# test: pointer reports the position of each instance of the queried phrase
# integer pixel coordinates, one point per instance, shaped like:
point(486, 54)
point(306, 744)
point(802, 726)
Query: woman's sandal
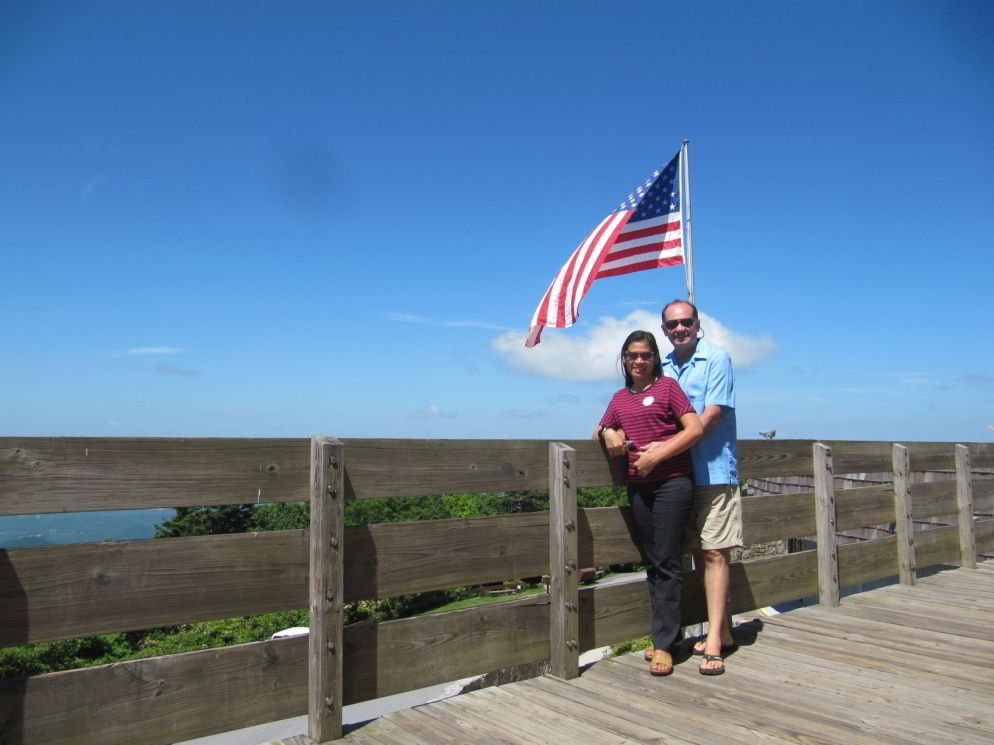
point(661, 663)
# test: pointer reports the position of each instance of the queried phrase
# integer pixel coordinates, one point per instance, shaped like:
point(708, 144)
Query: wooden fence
point(59, 592)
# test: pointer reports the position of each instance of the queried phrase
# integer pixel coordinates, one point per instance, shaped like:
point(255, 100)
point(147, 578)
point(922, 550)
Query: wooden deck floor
point(895, 665)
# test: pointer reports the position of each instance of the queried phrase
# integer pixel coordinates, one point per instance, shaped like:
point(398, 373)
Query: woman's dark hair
point(648, 338)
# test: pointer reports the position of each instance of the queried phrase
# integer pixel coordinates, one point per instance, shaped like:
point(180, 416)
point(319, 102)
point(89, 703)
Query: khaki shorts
point(715, 518)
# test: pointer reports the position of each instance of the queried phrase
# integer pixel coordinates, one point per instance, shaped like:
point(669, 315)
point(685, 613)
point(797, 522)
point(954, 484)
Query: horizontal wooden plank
point(793, 457)
point(771, 580)
point(777, 516)
point(79, 474)
point(178, 697)
point(983, 532)
point(395, 468)
point(933, 499)
point(67, 474)
point(159, 700)
point(58, 592)
point(616, 612)
point(983, 496)
point(867, 561)
point(386, 658)
point(183, 696)
point(853, 456)
point(400, 558)
point(774, 458)
point(936, 546)
point(771, 517)
point(606, 535)
point(612, 613)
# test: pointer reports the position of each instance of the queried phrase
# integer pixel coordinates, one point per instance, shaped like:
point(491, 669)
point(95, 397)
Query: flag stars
point(657, 196)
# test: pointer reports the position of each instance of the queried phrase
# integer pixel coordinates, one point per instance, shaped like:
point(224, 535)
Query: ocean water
point(79, 527)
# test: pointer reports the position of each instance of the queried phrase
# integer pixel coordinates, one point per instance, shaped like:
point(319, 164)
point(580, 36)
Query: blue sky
point(278, 218)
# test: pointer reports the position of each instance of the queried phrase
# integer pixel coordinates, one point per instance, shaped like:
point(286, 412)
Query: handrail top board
point(69, 474)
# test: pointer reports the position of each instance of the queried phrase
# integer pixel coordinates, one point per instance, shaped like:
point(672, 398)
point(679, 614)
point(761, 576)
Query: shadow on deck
point(895, 665)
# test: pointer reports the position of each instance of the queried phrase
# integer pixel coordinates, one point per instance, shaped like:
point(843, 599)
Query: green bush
point(70, 654)
point(632, 645)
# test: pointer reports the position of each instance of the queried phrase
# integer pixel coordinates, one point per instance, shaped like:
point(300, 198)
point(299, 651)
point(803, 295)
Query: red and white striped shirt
point(651, 416)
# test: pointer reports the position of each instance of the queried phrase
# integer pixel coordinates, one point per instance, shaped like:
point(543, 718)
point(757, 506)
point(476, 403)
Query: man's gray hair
point(674, 302)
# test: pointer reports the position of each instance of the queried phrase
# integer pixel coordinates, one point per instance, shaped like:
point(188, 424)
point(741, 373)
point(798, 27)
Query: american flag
point(645, 231)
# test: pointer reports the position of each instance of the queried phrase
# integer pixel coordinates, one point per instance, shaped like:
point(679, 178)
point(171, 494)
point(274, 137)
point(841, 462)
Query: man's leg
point(716, 578)
point(720, 530)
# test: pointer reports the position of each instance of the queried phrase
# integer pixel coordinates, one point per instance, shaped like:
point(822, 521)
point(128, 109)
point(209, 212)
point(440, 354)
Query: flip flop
point(661, 659)
point(712, 670)
point(648, 654)
point(726, 649)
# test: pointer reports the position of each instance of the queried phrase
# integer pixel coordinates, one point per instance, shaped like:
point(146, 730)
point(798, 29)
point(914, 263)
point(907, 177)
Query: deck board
point(894, 666)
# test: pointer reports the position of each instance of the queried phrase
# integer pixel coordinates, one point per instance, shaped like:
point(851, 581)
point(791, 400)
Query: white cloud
point(591, 352)
point(744, 350)
point(423, 321)
point(431, 411)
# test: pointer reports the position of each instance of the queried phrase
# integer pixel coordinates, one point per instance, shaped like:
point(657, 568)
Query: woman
point(661, 425)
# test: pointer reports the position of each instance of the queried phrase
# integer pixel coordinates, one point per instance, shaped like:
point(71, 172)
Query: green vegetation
point(192, 521)
point(485, 600)
point(69, 654)
point(632, 645)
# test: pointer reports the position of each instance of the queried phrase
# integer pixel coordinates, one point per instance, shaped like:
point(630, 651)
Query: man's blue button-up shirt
point(707, 380)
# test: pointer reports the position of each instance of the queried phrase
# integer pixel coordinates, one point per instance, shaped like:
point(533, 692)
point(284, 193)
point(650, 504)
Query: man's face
point(681, 327)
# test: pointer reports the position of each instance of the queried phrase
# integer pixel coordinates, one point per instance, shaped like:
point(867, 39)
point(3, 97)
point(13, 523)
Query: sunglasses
point(685, 322)
point(633, 356)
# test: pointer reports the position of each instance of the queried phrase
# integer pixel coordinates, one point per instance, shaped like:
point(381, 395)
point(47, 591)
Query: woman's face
point(639, 360)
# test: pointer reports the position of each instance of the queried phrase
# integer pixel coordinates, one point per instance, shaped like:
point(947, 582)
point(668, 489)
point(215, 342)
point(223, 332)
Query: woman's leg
point(661, 510)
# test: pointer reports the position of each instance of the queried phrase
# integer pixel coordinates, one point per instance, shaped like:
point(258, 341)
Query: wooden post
point(904, 527)
point(828, 551)
point(564, 646)
point(964, 504)
point(324, 684)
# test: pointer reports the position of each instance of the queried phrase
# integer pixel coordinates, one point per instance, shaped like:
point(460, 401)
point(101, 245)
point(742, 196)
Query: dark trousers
point(661, 510)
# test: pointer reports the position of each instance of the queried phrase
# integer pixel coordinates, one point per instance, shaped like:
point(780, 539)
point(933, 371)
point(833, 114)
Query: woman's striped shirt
point(651, 416)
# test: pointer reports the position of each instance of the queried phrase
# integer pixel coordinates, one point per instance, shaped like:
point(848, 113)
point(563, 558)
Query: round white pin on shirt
point(647, 401)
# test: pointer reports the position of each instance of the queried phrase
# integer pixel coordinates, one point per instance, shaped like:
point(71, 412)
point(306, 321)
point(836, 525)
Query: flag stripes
point(644, 233)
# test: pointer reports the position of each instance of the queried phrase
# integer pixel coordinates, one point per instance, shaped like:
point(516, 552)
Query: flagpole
point(685, 206)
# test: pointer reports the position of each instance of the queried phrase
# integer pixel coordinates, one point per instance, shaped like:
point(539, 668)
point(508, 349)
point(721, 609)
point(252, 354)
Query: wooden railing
point(59, 592)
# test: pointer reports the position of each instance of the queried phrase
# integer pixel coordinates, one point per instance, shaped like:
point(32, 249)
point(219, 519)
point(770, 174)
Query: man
point(705, 374)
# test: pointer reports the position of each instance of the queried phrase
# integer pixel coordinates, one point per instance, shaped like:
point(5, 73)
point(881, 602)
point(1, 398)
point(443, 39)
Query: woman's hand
point(614, 440)
point(647, 459)
point(654, 453)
